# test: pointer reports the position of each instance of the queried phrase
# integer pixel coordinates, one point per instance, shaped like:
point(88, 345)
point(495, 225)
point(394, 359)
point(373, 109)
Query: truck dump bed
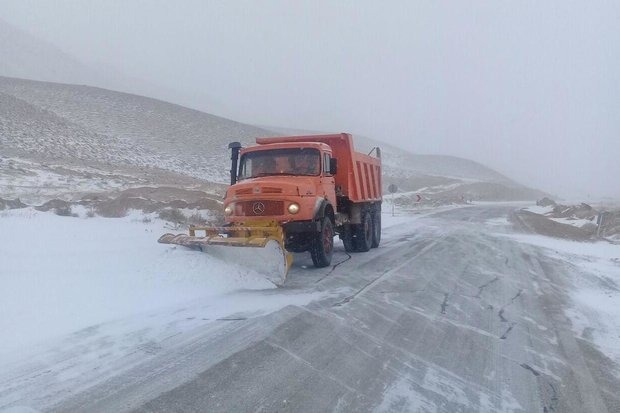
point(358, 176)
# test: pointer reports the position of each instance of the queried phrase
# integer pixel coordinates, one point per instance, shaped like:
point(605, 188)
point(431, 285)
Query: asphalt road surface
point(446, 316)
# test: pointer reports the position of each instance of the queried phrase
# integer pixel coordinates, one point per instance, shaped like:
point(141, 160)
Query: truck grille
point(264, 190)
point(271, 190)
point(244, 191)
point(259, 208)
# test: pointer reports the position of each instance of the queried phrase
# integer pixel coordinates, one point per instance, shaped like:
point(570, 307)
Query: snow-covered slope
point(87, 126)
point(437, 178)
point(69, 122)
point(399, 162)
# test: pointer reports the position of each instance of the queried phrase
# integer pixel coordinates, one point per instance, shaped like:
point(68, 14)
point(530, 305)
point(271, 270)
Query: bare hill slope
point(91, 127)
point(70, 122)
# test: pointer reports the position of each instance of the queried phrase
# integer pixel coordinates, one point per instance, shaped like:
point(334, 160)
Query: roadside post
point(392, 189)
point(600, 221)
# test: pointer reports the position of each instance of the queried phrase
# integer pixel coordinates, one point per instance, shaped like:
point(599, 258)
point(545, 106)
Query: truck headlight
point(229, 209)
point(293, 208)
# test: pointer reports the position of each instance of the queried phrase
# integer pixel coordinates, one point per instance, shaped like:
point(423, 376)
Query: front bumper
point(294, 227)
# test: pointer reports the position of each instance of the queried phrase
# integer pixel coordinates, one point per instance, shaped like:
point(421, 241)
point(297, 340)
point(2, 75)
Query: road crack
point(444, 305)
point(334, 268)
point(512, 300)
point(505, 335)
point(530, 368)
point(485, 285)
point(551, 405)
point(501, 316)
point(404, 291)
point(554, 400)
point(422, 250)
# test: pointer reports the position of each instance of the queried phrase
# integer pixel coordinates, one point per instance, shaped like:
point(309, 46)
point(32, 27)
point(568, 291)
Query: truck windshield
point(295, 161)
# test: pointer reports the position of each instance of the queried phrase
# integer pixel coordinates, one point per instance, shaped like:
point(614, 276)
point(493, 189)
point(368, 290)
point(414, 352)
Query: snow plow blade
point(260, 247)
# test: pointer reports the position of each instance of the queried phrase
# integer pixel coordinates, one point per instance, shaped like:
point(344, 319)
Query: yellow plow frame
point(265, 238)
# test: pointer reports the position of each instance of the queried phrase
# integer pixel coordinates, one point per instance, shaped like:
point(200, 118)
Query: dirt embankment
point(540, 224)
point(172, 204)
point(580, 222)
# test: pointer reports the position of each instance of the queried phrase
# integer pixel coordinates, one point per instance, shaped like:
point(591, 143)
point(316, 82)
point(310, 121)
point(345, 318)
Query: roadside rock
point(581, 211)
point(11, 204)
point(540, 224)
point(545, 202)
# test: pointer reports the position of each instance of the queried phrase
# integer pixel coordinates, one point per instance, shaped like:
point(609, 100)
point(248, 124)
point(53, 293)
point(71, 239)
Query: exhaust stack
point(235, 147)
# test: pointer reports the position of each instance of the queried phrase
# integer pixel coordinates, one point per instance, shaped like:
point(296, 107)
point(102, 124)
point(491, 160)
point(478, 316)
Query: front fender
point(320, 207)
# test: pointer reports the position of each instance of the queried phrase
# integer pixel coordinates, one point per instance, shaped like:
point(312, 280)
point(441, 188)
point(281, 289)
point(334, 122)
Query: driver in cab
point(307, 164)
point(264, 166)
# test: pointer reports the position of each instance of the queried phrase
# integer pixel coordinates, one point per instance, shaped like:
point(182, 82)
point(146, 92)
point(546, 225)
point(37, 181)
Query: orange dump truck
point(294, 194)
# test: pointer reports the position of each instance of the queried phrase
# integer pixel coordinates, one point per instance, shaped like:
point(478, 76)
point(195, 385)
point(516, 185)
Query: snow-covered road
point(454, 312)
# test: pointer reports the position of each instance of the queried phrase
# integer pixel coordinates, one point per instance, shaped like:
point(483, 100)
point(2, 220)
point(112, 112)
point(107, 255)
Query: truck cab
point(297, 182)
point(281, 182)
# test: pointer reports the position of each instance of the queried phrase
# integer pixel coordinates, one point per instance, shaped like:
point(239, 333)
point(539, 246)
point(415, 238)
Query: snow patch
point(402, 397)
point(595, 312)
point(537, 209)
point(574, 221)
point(498, 222)
point(62, 274)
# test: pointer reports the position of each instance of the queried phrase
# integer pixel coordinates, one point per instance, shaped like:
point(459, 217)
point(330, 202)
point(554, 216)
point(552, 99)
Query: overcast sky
point(530, 88)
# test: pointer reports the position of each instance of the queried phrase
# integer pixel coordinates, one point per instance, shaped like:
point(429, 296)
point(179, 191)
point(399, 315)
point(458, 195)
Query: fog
point(529, 88)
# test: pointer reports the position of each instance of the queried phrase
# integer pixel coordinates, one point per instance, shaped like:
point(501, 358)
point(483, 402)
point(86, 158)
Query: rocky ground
point(581, 222)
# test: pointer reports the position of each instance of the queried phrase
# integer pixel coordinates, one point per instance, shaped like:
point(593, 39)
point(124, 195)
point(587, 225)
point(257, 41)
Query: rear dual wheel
point(347, 238)
point(363, 233)
point(364, 236)
point(376, 228)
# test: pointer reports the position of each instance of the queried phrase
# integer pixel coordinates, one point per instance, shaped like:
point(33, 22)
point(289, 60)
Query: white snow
point(574, 221)
point(498, 222)
point(541, 210)
point(34, 182)
point(595, 312)
point(62, 274)
point(545, 210)
point(402, 396)
point(600, 249)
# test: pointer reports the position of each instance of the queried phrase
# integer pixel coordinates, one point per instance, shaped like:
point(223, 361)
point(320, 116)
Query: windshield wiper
point(273, 174)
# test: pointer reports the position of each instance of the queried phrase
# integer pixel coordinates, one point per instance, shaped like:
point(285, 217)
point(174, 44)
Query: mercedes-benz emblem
point(258, 208)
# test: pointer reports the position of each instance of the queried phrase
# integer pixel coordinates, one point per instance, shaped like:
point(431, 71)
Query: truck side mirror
point(333, 166)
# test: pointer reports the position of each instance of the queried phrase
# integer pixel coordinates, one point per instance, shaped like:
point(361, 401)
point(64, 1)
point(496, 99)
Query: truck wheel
point(363, 233)
point(322, 246)
point(347, 238)
point(376, 228)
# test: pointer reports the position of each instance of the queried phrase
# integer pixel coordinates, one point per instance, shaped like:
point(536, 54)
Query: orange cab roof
point(287, 145)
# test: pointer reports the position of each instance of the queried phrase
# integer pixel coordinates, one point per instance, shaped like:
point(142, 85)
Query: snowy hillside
point(399, 162)
point(68, 122)
point(92, 127)
point(436, 178)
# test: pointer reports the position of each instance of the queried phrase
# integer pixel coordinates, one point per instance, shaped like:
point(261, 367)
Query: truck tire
point(363, 233)
point(347, 238)
point(376, 228)
point(322, 247)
